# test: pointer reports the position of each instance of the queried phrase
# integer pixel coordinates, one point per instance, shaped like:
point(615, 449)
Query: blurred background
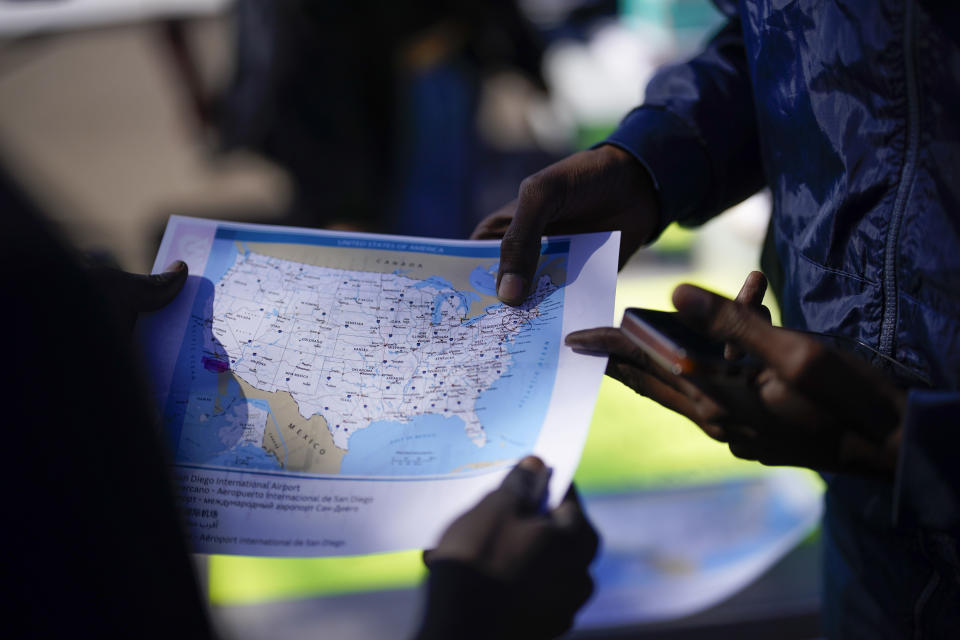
point(416, 118)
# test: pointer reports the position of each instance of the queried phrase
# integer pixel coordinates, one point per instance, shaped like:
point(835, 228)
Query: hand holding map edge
point(130, 294)
point(600, 189)
point(538, 560)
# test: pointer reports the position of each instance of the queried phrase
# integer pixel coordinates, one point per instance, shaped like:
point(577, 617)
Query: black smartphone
point(685, 352)
point(682, 350)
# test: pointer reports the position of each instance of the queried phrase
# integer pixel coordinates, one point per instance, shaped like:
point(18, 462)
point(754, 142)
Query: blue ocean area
point(223, 254)
point(202, 439)
point(418, 447)
point(248, 456)
point(484, 278)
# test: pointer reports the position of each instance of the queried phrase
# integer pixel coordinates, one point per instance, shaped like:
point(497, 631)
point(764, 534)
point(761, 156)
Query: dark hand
point(540, 559)
point(130, 294)
point(826, 409)
point(817, 407)
point(632, 367)
point(603, 189)
point(751, 295)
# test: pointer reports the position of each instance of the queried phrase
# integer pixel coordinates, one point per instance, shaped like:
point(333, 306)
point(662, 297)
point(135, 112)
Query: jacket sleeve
point(696, 132)
point(928, 475)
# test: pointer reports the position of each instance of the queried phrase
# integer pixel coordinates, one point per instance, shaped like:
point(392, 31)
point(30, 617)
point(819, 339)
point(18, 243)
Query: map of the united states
point(357, 347)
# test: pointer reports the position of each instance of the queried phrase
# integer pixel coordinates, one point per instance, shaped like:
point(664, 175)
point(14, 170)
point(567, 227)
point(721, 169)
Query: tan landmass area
point(418, 266)
point(673, 564)
point(303, 445)
point(473, 466)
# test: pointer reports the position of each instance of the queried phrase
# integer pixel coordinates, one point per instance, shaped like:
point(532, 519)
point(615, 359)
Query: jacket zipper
point(888, 326)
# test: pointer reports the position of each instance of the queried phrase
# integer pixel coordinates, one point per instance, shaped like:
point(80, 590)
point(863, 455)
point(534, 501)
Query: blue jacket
point(849, 111)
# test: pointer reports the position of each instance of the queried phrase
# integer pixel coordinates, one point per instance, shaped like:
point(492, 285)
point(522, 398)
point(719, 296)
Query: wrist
point(640, 197)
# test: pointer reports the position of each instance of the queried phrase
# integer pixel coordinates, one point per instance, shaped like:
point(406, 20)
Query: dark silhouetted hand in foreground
point(130, 294)
point(506, 568)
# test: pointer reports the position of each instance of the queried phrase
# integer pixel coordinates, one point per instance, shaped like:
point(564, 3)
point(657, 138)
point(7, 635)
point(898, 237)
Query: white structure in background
point(597, 82)
point(23, 18)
